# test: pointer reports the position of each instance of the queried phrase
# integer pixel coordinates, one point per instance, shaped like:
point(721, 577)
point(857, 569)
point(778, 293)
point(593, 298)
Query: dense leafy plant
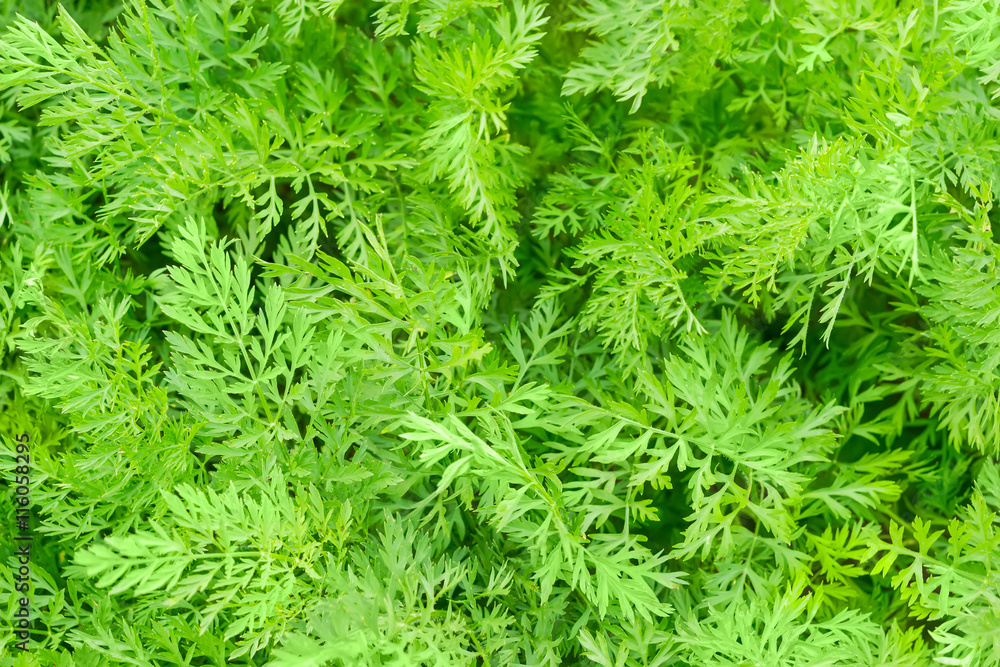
point(465, 332)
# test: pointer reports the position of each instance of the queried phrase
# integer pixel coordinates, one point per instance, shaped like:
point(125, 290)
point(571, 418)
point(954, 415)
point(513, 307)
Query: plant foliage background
point(464, 332)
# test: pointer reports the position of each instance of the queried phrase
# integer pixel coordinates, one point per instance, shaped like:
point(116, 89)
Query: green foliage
point(463, 332)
